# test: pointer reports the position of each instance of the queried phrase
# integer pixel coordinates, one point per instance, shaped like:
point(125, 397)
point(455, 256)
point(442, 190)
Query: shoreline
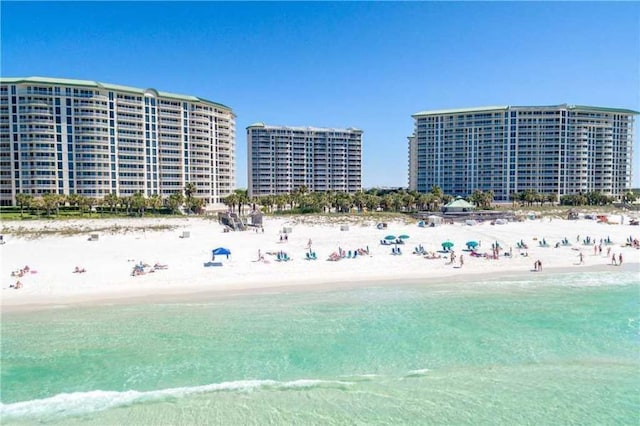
point(189, 295)
point(108, 260)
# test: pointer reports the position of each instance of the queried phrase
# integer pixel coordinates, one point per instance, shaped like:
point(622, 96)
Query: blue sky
point(365, 65)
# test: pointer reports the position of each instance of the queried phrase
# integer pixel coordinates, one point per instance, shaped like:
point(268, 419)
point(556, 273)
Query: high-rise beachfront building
point(561, 149)
point(282, 159)
point(92, 139)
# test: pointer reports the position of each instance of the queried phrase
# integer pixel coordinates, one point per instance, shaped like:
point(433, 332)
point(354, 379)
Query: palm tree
point(319, 201)
point(73, 200)
point(50, 201)
point(359, 199)
point(343, 202)
point(629, 197)
point(196, 204)
point(174, 201)
point(408, 201)
point(138, 203)
point(514, 197)
point(154, 202)
point(387, 202)
point(425, 201)
point(23, 200)
point(37, 204)
point(476, 197)
point(372, 201)
point(266, 202)
point(230, 201)
point(279, 201)
point(111, 200)
point(189, 190)
point(242, 199)
point(437, 192)
point(86, 203)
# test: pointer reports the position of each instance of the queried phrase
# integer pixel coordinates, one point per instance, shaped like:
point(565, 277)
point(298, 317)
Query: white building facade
point(562, 149)
point(282, 159)
point(92, 139)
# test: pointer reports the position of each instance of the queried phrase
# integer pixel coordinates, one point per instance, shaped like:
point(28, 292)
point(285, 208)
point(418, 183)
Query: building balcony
point(36, 102)
point(96, 114)
point(125, 102)
point(127, 126)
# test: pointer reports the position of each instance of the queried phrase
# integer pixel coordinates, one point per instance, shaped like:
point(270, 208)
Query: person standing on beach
point(581, 258)
point(620, 259)
point(613, 259)
point(461, 261)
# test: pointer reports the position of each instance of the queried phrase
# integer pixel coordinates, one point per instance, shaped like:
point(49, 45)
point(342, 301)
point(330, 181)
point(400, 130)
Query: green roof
point(603, 109)
point(461, 110)
point(460, 203)
point(106, 86)
point(507, 107)
point(306, 129)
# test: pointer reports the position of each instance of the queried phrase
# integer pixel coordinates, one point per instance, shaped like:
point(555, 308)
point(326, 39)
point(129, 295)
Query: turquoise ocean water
point(547, 349)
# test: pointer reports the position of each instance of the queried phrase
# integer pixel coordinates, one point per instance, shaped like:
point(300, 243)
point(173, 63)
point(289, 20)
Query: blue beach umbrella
point(472, 244)
point(390, 237)
point(447, 245)
point(404, 237)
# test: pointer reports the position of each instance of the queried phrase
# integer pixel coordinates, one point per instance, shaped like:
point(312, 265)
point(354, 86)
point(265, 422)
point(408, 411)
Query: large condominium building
point(282, 159)
point(562, 149)
point(93, 139)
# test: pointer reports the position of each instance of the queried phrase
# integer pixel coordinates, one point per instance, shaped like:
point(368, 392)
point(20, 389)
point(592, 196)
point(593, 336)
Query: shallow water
point(543, 350)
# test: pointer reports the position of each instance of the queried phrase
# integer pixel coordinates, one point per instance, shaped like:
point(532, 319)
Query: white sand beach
point(109, 261)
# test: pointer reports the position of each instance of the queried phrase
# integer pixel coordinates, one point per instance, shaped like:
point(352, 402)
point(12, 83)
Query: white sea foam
point(418, 373)
point(80, 403)
point(566, 279)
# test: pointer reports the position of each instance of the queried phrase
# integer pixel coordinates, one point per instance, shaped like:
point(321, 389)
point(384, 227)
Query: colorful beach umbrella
point(472, 244)
point(447, 245)
point(404, 237)
point(390, 237)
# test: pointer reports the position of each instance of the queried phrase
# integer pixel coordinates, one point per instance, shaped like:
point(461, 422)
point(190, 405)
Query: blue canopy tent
point(220, 251)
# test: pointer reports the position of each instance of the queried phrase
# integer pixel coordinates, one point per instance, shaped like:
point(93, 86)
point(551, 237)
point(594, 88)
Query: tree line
point(133, 205)
point(301, 200)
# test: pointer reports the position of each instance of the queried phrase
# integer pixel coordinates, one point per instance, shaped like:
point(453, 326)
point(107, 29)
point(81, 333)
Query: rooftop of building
point(107, 86)
point(302, 128)
point(519, 107)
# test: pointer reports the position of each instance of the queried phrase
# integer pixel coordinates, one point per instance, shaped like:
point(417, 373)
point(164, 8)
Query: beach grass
point(71, 231)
